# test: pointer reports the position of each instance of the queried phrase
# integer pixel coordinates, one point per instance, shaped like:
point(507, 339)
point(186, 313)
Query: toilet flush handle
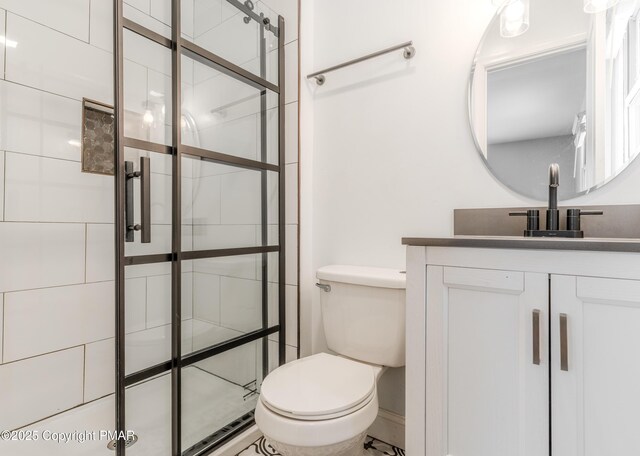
point(324, 287)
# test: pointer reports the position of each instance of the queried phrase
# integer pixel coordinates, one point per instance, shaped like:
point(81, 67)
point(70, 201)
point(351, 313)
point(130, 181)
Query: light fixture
point(597, 6)
point(148, 117)
point(498, 2)
point(7, 42)
point(514, 18)
point(74, 142)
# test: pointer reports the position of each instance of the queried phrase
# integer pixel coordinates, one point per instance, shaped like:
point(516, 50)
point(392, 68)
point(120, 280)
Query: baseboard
point(239, 443)
point(388, 427)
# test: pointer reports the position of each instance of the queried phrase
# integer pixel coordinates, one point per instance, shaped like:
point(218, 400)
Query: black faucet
point(573, 229)
point(553, 214)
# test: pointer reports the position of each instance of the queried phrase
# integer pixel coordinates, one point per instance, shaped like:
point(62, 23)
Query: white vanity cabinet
point(482, 328)
point(596, 390)
point(522, 353)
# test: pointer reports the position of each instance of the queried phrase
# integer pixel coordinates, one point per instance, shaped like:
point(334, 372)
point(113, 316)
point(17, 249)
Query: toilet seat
point(319, 387)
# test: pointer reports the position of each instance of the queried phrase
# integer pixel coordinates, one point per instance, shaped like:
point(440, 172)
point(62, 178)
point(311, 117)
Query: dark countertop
point(513, 242)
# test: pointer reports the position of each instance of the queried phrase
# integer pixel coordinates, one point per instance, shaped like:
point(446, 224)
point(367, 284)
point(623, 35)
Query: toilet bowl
point(325, 403)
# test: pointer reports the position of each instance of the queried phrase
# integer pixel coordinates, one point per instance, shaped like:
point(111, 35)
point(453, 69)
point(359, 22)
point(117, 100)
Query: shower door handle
point(145, 200)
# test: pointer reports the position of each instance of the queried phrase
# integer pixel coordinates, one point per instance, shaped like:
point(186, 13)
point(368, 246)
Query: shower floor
point(208, 403)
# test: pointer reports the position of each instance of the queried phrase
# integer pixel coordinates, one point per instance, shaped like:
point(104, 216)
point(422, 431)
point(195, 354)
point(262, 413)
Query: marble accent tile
point(372, 447)
point(61, 390)
point(57, 63)
point(50, 319)
point(70, 17)
point(98, 139)
point(37, 255)
point(53, 122)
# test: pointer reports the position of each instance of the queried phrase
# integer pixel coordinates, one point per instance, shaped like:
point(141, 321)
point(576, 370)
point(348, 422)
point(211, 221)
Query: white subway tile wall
point(1, 188)
point(56, 223)
point(3, 15)
point(1, 326)
point(99, 379)
point(40, 387)
point(50, 319)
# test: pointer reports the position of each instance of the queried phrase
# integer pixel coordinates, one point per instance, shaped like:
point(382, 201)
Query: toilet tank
point(364, 313)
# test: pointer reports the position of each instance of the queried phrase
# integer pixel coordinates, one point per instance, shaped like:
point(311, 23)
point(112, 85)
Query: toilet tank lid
point(363, 275)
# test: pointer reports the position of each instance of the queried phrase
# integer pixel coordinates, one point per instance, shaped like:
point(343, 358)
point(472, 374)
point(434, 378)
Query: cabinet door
point(595, 333)
point(487, 367)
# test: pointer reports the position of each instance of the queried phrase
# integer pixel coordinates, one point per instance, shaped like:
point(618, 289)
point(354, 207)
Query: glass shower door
point(201, 223)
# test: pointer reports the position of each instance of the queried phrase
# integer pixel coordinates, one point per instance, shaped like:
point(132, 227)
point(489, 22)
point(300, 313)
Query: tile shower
point(56, 223)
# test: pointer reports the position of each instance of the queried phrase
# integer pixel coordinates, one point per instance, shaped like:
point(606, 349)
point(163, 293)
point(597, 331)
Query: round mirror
point(552, 83)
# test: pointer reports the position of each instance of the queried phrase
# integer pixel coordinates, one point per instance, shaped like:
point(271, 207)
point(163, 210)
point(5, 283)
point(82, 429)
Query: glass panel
point(154, 15)
point(219, 390)
point(148, 414)
point(148, 314)
point(227, 115)
point(147, 89)
point(226, 300)
point(224, 205)
point(224, 30)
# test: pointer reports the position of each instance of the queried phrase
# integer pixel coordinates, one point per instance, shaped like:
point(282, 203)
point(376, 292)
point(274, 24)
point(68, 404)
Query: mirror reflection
point(553, 83)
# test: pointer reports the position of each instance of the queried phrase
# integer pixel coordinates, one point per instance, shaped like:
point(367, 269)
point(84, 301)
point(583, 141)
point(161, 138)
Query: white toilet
point(324, 404)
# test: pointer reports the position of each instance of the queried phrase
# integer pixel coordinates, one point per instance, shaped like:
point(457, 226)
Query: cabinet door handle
point(536, 336)
point(564, 343)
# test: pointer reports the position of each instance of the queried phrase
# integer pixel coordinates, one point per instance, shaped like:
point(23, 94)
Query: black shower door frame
point(178, 46)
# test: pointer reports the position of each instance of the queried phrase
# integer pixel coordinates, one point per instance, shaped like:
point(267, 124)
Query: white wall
point(387, 151)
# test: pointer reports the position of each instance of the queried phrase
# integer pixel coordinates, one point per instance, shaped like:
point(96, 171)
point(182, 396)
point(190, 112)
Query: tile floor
point(372, 447)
